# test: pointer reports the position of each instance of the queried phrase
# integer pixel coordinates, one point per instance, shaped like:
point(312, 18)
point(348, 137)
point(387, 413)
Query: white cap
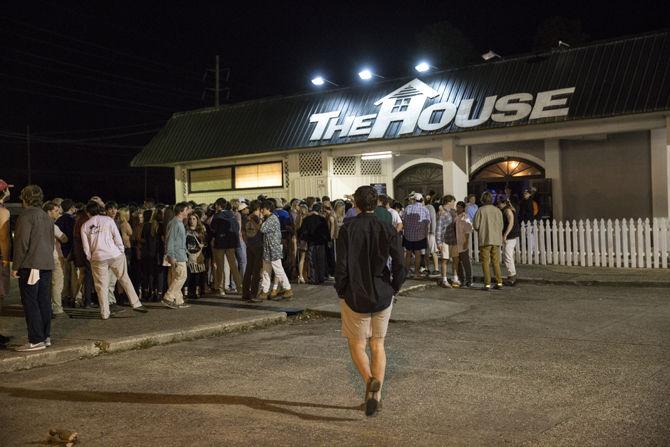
point(418, 196)
point(241, 206)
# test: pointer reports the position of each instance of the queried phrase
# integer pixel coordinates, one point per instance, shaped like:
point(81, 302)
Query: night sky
point(95, 80)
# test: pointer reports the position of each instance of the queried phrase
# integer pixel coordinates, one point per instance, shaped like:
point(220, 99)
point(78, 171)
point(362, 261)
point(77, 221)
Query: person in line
point(175, 252)
point(396, 220)
point(471, 207)
point(225, 242)
point(303, 268)
point(5, 244)
point(366, 286)
point(195, 244)
point(527, 215)
point(148, 248)
point(488, 224)
point(57, 276)
point(111, 210)
point(272, 254)
point(381, 211)
point(84, 295)
point(329, 214)
point(237, 206)
point(33, 264)
point(463, 230)
point(511, 232)
point(431, 240)
point(446, 241)
point(254, 243)
point(314, 230)
point(416, 223)
point(104, 249)
point(66, 225)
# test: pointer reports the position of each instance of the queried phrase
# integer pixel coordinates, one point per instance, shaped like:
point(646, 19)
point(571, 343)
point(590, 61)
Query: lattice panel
point(344, 166)
point(310, 164)
point(286, 177)
point(371, 167)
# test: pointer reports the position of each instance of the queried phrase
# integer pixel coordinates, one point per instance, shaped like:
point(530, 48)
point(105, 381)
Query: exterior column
point(180, 184)
point(454, 169)
point(660, 171)
point(552, 169)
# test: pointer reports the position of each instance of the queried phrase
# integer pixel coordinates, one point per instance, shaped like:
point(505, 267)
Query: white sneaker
point(222, 292)
point(31, 347)
point(47, 342)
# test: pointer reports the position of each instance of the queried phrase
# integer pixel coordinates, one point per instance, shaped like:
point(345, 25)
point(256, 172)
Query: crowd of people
point(102, 254)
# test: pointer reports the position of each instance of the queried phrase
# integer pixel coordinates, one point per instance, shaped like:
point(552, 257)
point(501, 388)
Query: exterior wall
point(607, 179)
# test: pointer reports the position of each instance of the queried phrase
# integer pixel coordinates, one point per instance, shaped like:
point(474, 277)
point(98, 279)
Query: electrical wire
point(100, 129)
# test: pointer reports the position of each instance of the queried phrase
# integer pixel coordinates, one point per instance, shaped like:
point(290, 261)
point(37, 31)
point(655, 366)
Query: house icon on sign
point(402, 105)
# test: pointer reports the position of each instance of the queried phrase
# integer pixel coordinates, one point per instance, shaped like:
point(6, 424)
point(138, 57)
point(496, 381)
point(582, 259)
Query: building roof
point(619, 77)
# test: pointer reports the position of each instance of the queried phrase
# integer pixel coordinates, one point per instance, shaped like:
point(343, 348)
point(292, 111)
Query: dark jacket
point(362, 276)
point(314, 230)
point(66, 225)
point(252, 232)
point(34, 240)
point(226, 230)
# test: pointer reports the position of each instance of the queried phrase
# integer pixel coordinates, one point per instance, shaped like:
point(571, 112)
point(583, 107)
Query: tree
point(553, 29)
point(446, 45)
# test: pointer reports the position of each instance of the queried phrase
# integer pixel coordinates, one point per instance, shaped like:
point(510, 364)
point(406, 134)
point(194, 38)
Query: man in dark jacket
point(314, 230)
point(366, 287)
point(33, 264)
point(226, 239)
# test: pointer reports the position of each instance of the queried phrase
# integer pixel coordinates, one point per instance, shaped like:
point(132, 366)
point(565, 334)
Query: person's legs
point(321, 263)
point(111, 296)
point(219, 256)
point(120, 270)
point(455, 267)
point(234, 272)
point(100, 271)
point(465, 267)
point(280, 275)
point(31, 307)
point(44, 301)
point(256, 267)
point(57, 280)
point(301, 266)
point(417, 263)
point(265, 276)
point(378, 362)
point(174, 293)
point(485, 256)
point(360, 357)
point(495, 258)
point(311, 264)
point(66, 292)
point(508, 257)
point(241, 253)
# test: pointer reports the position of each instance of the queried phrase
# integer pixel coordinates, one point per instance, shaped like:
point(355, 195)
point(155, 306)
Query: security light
point(490, 55)
point(365, 74)
point(422, 67)
point(320, 80)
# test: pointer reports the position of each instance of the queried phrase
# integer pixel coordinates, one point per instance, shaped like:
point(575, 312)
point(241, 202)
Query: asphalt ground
point(531, 365)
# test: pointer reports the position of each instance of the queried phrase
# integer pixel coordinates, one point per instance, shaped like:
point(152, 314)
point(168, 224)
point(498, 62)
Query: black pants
point(252, 274)
point(195, 280)
point(464, 266)
point(36, 300)
point(318, 265)
point(88, 288)
point(330, 257)
point(149, 269)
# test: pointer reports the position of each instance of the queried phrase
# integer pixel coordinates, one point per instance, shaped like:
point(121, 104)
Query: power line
point(74, 90)
point(101, 129)
point(93, 70)
point(82, 101)
point(20, 137)
point(56, 70)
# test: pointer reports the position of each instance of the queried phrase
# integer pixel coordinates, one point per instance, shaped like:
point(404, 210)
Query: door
point(419, 178)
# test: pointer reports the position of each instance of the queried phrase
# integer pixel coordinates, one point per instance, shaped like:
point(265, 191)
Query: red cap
point(4, 185)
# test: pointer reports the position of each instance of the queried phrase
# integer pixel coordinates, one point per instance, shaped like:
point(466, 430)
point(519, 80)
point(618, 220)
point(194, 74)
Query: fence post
point(561, 243)
point(582, 244)
point(554, 242)
point(603, 243)
point(647, 243)
point(589, 253)
point(568, 244)
point(523, 242)
point(596, 242)
point(665, 228)
point(610, 244)
point(617, 244)
point(640, 243)
point(475, 242)
point(624, 241)
point(654, 242)
point(632, 232)
point(543, 250)
point(536, 251)
point(575, 243)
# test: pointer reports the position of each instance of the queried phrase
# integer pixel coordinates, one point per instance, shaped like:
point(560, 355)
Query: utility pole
point(216, 83)
point(30, 174)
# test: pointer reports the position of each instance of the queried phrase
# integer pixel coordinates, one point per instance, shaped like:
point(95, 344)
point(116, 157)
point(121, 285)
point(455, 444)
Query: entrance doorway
point(421, 178)
point(514, 175)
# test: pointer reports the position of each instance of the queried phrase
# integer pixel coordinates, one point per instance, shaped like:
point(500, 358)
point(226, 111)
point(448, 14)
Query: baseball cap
point(241, 206)
point(4, 185)
point(418, 196)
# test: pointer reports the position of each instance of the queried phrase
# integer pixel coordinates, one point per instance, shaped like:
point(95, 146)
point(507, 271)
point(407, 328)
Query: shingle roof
point(625, 76)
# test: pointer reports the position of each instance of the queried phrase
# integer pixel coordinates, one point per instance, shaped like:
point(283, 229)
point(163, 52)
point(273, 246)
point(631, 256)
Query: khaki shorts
point(359, 326)
point(445, 251)
point(432, 244)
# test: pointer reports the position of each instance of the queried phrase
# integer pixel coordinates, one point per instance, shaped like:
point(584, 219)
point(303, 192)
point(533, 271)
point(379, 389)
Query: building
point(587, 127)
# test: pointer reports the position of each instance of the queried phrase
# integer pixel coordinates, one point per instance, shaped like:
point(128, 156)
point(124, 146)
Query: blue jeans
point(241, 253)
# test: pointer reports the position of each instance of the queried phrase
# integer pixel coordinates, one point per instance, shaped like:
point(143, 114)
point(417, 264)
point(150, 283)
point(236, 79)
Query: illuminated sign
point(405, 106)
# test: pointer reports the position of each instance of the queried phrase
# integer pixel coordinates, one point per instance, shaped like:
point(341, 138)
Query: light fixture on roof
point(320, 80)
point(366, 74)
point(490, 55)
point(423, 67)
point(562, 44)
point(377, 155)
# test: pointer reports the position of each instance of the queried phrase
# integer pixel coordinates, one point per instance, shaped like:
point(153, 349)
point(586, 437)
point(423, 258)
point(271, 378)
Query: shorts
point(415, 245)
point(358, 326)
point(445, 251)
point(431, 244)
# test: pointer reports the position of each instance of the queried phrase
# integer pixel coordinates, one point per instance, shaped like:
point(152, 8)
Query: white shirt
point(101, 239)
point(395, 217)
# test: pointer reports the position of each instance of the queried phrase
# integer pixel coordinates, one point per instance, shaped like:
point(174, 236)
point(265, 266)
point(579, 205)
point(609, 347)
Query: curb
point(55, 356)
point(558, 282)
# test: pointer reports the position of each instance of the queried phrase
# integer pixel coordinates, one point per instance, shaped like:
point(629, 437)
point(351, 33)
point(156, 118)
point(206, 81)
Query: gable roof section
point(413, 88)
point(619, 77)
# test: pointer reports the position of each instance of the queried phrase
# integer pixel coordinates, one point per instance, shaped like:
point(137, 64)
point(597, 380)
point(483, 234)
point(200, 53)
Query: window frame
point(233, 168)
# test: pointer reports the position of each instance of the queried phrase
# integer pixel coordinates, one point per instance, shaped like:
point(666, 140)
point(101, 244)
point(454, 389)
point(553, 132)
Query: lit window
point(211, 179)
point(265, 175)
point(508, 169)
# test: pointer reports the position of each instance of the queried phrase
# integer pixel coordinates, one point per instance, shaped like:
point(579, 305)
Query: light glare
point(318, 80)
point(422, 67)
point(365, 74)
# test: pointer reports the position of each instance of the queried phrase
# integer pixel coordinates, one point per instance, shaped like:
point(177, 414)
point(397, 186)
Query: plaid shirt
point(415, 220)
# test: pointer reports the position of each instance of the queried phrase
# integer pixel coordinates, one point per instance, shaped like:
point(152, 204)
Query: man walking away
point(366, 287)
point(103, 247)
point(489, 226)
point(511, 231)
point(225, 242)
point(416, 223)
point(272, 253)
point(33, 263)
point(176, 255)
point(463, 230)
point(57, 274)
point(314, 230)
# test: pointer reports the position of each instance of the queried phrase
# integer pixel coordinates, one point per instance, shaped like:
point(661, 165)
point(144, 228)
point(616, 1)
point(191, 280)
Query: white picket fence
point(625, 243)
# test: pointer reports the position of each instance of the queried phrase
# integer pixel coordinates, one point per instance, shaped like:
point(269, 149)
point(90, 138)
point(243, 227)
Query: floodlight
point(365, 74)
point(422, 67)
